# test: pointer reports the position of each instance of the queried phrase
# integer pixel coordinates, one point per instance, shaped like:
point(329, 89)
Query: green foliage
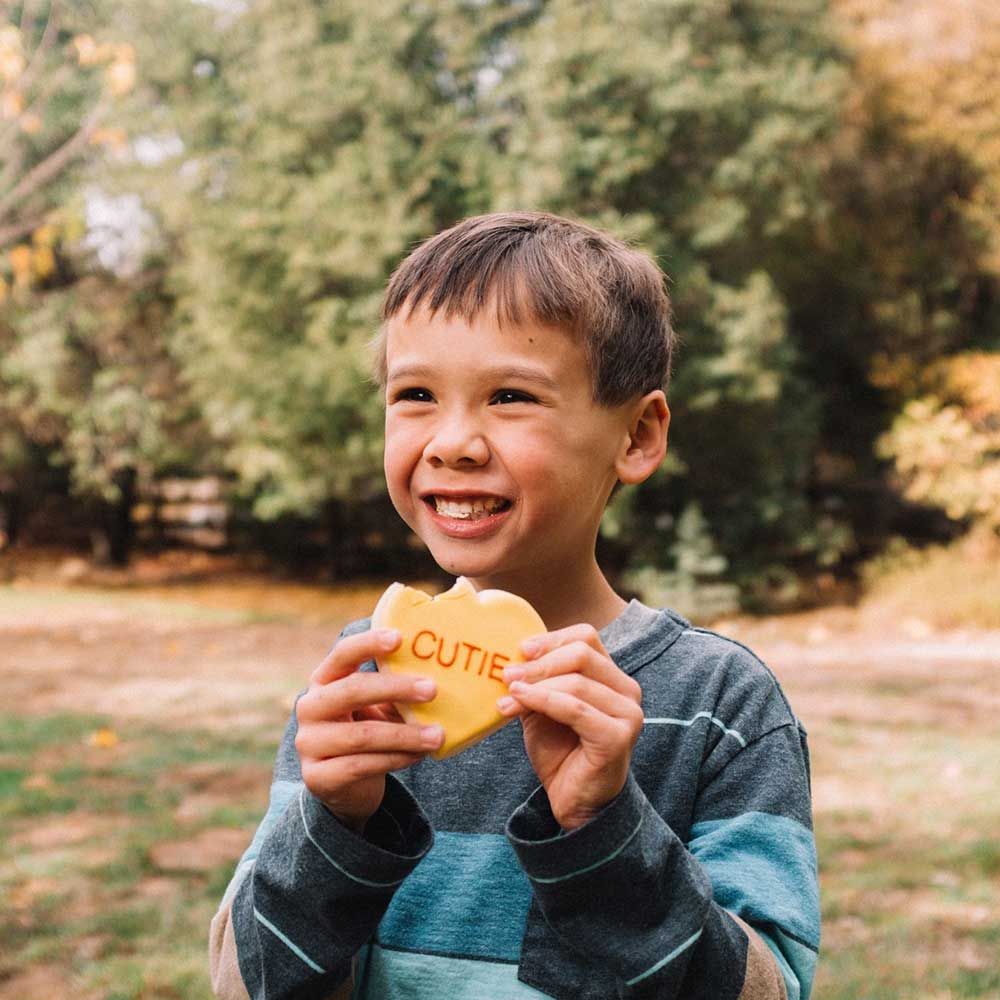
point(822, 228)
point(697, 130)
point(695, 586)
point(341, 143)
point(946, 444)
point(88, 378)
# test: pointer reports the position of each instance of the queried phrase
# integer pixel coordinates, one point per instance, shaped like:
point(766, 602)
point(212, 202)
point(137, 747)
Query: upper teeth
point(467, 508)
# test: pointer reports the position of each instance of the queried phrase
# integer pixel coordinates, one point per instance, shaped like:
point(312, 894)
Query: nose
point(456, 441)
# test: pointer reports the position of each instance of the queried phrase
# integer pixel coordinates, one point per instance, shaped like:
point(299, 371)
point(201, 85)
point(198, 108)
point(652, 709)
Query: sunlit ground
point(138, 725)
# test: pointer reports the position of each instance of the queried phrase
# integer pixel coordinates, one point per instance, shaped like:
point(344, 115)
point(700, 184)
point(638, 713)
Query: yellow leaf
point(120, 77)
point(11, 103)
point(113, 137)
point(103, 738)
point(11, 55)
point(86, 50)
point(31, 123)
point(43, 261)
point(20, 262)
point(45, 235)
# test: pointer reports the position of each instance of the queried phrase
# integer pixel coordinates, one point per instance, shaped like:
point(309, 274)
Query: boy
point(645, 831)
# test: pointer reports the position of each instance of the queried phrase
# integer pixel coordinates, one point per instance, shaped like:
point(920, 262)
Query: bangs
point(513, 271)
point(537, 268)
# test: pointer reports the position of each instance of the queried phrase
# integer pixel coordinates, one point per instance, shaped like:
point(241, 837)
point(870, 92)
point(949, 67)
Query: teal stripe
point(282, 792)
point(665, 960)
point(397, 975)
point(467, 897)
point(597, 864)
point(796, 961)
point(340, 868)
point(690, 722)
point(292, 946)
point(763, 869)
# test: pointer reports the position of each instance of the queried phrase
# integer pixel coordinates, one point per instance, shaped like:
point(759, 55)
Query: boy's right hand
point(350, 734)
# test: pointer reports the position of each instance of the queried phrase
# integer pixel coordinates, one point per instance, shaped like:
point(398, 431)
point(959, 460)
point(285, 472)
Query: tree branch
point(53, 82)
point(48, 36)
point(53, 164)
point(12, 233)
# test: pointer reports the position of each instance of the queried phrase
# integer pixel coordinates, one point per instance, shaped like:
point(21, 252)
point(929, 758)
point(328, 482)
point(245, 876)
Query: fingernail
point(530, 647)
point(513, 673)
point(424, 688)
point(518, 687)
point(431, 736)
point(389, 638)
point(506, 704)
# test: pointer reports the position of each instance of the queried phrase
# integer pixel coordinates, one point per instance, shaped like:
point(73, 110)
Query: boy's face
point(496, 454)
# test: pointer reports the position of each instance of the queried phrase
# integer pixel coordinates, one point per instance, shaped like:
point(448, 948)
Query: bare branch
point(54, 163)
point(12, 233)
point(27, 17)
point(38, 56)
point(52, 83)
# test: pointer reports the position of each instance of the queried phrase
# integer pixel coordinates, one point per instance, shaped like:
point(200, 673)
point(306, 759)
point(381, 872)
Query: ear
point(646, 444)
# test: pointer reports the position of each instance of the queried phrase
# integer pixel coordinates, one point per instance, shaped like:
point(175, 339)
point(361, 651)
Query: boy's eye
point(414, 394)
point(512, 396)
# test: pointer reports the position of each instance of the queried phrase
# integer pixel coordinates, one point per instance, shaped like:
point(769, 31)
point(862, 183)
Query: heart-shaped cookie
point(462, 640)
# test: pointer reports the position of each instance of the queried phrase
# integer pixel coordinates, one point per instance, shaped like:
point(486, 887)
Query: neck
point(563, 597)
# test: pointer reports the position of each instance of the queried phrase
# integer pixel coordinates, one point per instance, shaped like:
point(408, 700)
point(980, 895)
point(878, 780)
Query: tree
point(697, 129)
point(86, 384)
point(945, 444)
point(339, 139)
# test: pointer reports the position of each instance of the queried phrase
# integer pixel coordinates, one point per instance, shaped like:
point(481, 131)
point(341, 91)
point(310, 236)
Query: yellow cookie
point(463, 640)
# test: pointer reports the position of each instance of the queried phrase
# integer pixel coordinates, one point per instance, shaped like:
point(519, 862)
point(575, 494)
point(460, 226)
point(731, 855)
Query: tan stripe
point(763, 980)
point(224, 967)
point(227, 983)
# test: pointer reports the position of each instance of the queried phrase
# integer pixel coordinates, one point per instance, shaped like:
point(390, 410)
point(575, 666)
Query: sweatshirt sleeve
point(733, 914)
point(309, 892)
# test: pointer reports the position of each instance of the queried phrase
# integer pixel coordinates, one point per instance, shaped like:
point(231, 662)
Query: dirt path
point(202, 656)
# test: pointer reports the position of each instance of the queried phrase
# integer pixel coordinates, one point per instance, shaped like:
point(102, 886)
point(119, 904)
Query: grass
point(946, 586)
point(79, 825)
point(910, 874)
point(905, 814)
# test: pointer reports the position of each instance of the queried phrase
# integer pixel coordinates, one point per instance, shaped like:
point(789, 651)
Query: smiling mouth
point(471, 509)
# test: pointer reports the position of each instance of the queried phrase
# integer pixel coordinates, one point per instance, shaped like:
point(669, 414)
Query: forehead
point(437, 341)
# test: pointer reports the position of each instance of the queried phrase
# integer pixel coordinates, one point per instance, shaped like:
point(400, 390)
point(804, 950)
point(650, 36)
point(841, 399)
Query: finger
point(344, 739)
point(576, 657)
point(589, 723)
point(349, 653)
point(328, 778)
point(361, 690)
point(598, 695)
point(538, 645)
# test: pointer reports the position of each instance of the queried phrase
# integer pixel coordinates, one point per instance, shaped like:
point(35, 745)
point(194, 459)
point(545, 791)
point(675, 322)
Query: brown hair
point(552, 271)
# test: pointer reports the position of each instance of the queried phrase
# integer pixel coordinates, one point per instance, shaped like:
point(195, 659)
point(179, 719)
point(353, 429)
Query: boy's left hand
point(581, 716)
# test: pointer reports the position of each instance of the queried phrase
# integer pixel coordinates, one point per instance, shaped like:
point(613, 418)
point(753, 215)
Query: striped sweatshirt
point(697, 881)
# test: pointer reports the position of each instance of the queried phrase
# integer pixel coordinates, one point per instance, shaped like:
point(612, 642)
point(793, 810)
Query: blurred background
point(200, 202)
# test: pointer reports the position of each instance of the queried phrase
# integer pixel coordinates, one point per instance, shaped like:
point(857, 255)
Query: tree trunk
point(10, 518)
point(113, 542)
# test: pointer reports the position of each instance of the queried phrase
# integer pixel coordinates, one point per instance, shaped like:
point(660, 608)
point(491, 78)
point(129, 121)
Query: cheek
point(398, 459)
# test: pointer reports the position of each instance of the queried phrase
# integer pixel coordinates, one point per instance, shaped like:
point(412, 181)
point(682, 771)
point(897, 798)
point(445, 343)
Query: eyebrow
point(518, 373)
